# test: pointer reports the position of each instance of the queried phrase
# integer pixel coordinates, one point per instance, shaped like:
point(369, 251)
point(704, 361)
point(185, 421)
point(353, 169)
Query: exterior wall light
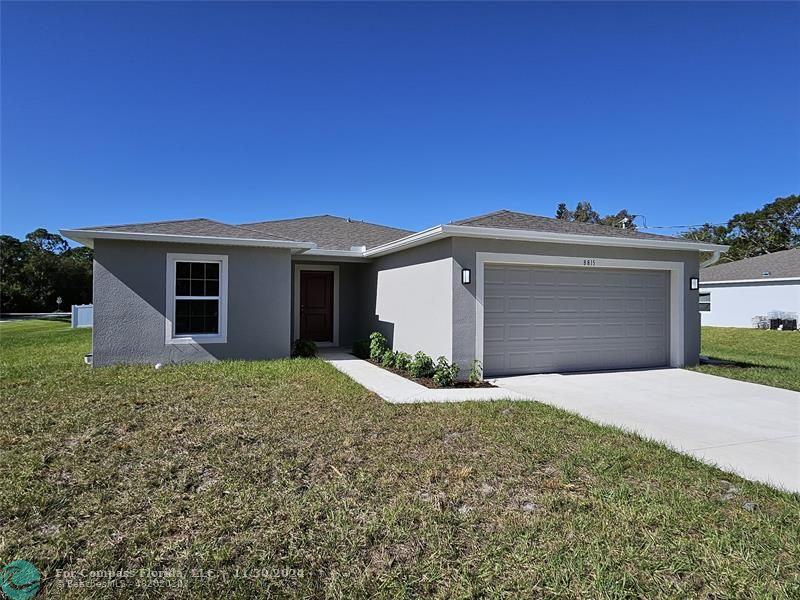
point(694, 283)
point(466, 276)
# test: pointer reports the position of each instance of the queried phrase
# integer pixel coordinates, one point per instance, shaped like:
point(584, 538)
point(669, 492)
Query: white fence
point(82, 315)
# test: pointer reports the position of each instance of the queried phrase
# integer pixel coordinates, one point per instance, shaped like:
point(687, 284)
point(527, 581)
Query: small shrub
point(304, 349)
point(402, 361)
point(377, 345)
point(475, 373)
point(361, 349)
point(388, 359)
point(445, 373)
point(421, 365)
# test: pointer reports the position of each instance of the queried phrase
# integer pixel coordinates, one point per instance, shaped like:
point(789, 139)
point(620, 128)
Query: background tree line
point(773, 227)
point(38, 269)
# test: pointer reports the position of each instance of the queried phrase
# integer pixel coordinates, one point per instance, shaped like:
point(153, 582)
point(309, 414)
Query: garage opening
point(540, 319)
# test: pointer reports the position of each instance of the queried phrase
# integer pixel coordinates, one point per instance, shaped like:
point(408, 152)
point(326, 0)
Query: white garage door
point(553, 319)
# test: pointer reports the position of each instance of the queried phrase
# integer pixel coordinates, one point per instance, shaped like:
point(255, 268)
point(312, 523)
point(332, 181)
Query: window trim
point(197, 338)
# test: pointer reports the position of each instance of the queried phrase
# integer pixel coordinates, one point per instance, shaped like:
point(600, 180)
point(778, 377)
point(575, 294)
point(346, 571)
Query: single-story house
point(743, 290)
point(518, 292)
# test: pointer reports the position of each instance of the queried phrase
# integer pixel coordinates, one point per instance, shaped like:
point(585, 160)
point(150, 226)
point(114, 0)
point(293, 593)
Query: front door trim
point(335, 270)
point(676, 288)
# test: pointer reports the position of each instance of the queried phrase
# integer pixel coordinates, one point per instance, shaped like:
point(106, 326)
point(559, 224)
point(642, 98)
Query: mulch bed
point(428, 381)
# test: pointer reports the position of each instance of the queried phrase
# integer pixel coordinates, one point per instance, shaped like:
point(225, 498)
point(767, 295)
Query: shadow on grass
point(712, 361)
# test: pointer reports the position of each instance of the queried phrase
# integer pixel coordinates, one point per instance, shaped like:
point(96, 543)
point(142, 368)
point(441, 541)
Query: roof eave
point(442, 231)
point(760, 280)
point(87, 237)
point(415, 239)
point(349, 255)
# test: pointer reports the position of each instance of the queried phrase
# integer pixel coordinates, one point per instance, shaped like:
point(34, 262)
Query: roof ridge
point(346, 219)
point(291, 219)
point(476, 217)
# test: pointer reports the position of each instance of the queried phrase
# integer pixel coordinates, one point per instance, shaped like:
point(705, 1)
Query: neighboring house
point(752, 287)
point(520, 293)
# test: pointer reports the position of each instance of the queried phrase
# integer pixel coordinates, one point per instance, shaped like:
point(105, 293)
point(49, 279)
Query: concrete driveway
point(751, 429)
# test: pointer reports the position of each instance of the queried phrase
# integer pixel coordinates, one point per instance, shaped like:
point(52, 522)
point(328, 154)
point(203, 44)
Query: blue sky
point(408, 114)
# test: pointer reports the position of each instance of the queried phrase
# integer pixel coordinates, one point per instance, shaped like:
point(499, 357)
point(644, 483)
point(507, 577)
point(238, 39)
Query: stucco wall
point(130, 302)
point(410, 299)
point(735, 305)
point(465, 249)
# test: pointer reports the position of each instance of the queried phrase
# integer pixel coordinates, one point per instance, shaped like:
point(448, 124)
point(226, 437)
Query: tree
point(563, 213)
point(584, 213)
point(12, 262)
point(713, 234)
point(773, 227)
point(39, 269)
point(622, 218)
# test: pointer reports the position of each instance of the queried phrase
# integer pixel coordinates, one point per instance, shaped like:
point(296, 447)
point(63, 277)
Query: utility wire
point(703, 224)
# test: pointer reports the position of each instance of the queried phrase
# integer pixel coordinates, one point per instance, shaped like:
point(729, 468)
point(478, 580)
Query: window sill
point(197, 339)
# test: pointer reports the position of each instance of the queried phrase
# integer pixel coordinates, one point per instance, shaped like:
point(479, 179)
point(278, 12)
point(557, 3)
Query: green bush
point(361, 349)
point(304, 349)
point(377, 345)
point(402, 361)
point(421, 365)
point(445, 373)
point(475, 373)
point(388, 359)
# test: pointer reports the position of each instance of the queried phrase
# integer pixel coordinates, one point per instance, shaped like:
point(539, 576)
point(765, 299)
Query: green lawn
point(285, 478)
point(761, 356)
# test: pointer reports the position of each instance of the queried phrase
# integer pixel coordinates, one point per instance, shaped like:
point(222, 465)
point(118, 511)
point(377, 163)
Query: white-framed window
point(197, 299)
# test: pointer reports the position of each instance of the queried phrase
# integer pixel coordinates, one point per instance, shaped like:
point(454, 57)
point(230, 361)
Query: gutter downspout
point(714, 258)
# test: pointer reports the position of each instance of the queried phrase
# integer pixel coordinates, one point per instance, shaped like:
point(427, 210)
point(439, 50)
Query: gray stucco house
point(521, 293)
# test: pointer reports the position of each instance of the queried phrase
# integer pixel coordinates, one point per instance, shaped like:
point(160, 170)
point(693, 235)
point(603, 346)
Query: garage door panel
point(544, 304)
point(494, 333)
point(592, 305)
point(518, 332)
point(569, 304)
point(494, 304)
point(656, 331)
point(518, 304)
point(548, 319)
point(494, 363)
point(494, 275)
point(656, 305)
point(545, 279)
point(518, 276)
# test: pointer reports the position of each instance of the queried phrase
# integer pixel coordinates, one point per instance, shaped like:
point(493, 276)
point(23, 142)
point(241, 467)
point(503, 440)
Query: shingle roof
point(193, 227)
point(506, 219)
point(785, 263)
point(329, 232)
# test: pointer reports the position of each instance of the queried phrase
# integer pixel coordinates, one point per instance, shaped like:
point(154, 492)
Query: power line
point(725, 223)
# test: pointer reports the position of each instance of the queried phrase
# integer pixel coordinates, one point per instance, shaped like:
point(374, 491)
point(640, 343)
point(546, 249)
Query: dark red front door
point(316, 305)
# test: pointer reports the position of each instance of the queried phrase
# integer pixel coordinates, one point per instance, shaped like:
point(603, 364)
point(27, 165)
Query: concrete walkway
point(753, 430)
point(399, 390)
